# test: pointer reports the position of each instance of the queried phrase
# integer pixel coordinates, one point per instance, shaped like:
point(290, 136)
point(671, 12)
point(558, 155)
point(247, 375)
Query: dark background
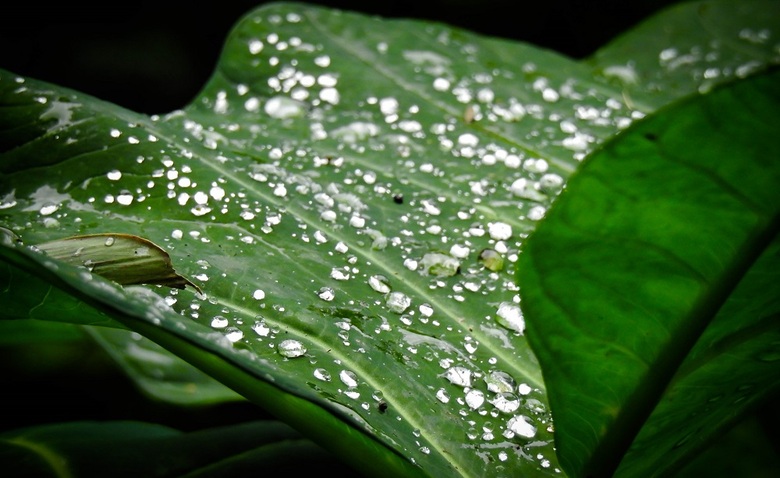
point(153, 57)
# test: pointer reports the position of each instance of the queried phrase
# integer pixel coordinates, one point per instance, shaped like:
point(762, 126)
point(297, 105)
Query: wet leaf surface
point(333, 191)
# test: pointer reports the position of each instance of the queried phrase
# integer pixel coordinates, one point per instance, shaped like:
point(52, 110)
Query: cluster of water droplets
point(395, 208)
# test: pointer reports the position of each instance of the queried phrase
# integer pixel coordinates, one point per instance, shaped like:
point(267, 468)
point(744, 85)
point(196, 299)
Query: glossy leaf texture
point(664, 241)
point(122, 258)
point(351, 194)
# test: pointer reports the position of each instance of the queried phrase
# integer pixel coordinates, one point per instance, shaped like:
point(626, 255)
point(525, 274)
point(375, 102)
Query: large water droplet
point(460, 376)
point(510, 316)
point(234, 334)
point(379, 283)
point(499, 382)
point(348, 378)
point(442, 396)
point(506, 402)
point(291, 348)
point(440, 264)
point(475, 399)
point(551, 184)
point(219, 322)
point(326, 294)
point(261, 328)
point(522, 426)
point(491, 259)
point(500, 231)
point(397, 302)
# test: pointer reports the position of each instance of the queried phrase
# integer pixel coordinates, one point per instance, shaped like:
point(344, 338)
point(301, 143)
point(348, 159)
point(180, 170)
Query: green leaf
point(158, 373)
point(691, 47)
point(635, 260)
point(114, 448)
point(350, 194)
point(123, 258)
point(327, 424)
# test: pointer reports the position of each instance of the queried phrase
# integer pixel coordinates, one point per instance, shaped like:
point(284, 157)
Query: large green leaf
point(344, 186)
point(633, 263)
point(158, 373)
point(692, 48)
point(114, 448)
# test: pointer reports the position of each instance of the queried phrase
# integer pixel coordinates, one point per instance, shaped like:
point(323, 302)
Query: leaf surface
point(123, 258)
point(113, 448)
point(350, 194)
point(635, 261)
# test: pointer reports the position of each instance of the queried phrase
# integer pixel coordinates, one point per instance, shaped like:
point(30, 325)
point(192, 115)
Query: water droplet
point(291, 348)
point(398, 302)
point(521, 425)
point(340, 274)
point(500, 231)
point(352, 393)
point(459, 251)
point(124, 198)
point(258, 294)
point(200, 210)
point(578, 142)
point(357, 221)
point(442, 395)
point(524, 389)
point(499, 382)
point(48, 209)
point(261, 328)
point(425, 310)
point(536, 213)
point(356, 131)
point(219, 322)
point(470, 345)
point(475, 399)
point(348, 378)
point(534, 405)
point(326, 294)
point(114, 175)
point(379, 283)
point(234, 334)
point(460, 376)
point(506, 402)
point(322, 374)
point(440, 264)
point(511, 317)
point(491, 259)
point(281, 107)
point(109, 241)
point(550, 184)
